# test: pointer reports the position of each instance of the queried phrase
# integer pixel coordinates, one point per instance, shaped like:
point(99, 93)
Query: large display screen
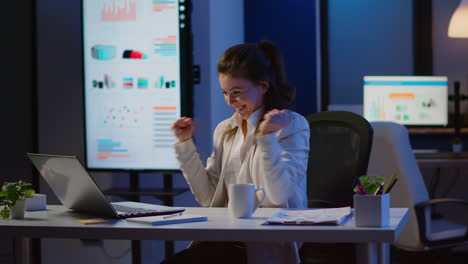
point(136, 56)
point(407, 100)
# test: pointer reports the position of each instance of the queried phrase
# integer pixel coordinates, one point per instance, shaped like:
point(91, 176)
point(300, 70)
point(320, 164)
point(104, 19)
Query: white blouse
point(235, 170)
point(276, 162)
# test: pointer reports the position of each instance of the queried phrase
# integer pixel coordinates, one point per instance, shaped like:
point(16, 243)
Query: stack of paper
point(335, 216)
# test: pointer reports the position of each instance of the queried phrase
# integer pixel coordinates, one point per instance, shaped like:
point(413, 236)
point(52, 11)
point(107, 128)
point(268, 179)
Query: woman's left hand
point(273, 121)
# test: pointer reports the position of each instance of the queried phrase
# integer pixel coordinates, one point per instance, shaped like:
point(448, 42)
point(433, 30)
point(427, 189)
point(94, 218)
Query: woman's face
point(243, 95)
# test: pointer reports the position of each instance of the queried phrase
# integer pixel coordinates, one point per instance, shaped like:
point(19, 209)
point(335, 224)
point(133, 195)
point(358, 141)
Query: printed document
point(335, 216)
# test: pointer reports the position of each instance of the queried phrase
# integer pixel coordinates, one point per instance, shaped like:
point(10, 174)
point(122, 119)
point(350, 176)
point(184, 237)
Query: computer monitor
point(137, 65)
point(407, 100)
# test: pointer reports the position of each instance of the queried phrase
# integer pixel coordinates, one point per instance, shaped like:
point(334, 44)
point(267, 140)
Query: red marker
point(361, 190)
point(359, 186)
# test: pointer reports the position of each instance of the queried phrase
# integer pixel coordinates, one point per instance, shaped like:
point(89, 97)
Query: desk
point(57, 222)
point(436, 130)
point(442, 159)
point(439, 160)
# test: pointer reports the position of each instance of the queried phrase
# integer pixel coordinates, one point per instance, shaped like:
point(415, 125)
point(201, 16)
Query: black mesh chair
point(340, 146)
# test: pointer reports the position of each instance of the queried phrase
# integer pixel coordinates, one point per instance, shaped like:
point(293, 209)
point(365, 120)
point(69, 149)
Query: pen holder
point(372, 210)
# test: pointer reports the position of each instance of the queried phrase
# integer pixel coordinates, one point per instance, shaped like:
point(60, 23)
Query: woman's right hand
point(183, 128)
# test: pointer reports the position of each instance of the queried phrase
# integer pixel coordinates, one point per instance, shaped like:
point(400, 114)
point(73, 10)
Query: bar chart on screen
point(115, 10)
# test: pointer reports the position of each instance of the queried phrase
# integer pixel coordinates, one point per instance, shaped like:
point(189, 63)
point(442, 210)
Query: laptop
point(76, 189)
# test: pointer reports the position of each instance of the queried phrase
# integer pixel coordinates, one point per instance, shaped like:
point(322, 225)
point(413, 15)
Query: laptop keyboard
point(132, 211)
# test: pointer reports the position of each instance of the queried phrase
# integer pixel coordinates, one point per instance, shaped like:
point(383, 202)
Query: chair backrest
point(340, 145)
point(392, 153)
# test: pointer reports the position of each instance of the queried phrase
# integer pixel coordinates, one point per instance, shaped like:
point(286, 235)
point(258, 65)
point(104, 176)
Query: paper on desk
point(334, 216)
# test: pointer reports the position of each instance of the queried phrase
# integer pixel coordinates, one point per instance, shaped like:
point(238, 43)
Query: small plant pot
point(17, 211)
point(372, 210)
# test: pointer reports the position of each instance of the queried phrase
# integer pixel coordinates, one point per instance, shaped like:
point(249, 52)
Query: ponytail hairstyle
point(257, 63)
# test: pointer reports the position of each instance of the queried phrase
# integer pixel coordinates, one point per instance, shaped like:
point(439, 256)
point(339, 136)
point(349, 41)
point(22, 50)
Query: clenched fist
point(183, 128)
point(273, 121)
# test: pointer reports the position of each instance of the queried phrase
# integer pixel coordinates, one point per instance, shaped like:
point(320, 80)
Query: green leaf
point(29, 193)
point(5, 212)
point(370, 183)
point(364, 178)
point(13, 191)
point(372, 187)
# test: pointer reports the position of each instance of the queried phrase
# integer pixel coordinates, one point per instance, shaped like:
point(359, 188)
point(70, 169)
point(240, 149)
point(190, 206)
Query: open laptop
point(76, 189)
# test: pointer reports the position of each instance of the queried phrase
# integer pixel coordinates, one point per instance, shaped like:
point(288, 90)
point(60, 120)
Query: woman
point(262, 143)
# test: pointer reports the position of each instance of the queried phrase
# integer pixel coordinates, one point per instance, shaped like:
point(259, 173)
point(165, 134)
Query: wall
point(450, 58)
point(217, 25)
point(450, 54)
point(376, 38)
point(18, 97)
point(296, 38)
point(367, 37)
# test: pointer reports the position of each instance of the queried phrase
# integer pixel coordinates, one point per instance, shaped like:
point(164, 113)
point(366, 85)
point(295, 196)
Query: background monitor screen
point(407, 100)
point(136, 56)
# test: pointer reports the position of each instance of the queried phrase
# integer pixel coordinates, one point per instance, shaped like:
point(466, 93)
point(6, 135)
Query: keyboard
point(126, 211)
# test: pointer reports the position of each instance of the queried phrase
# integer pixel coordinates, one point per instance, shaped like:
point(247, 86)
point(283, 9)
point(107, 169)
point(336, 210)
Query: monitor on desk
point(407, 100)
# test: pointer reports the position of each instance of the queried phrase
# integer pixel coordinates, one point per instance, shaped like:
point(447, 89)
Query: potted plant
point(14, 198)
point(371, 184)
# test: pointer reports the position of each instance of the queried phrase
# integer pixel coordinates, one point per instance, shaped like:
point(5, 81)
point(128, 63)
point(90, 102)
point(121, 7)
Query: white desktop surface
point(57, 222)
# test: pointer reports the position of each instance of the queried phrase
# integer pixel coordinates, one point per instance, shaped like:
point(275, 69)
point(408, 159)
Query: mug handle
point(263, 197)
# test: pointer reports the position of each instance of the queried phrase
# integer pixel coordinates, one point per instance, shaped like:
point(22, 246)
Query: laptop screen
point(76, 189)
point(72, 184)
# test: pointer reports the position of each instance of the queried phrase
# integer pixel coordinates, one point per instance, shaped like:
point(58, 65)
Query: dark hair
point(260, 62)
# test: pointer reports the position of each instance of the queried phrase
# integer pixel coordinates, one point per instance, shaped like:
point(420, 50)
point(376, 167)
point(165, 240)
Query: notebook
point(76, 189)
point(168, 219)
point(330, 216)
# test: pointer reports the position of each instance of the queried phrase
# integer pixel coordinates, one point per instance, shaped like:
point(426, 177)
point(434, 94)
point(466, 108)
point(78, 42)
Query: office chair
point(340, 145)
point(392, 153)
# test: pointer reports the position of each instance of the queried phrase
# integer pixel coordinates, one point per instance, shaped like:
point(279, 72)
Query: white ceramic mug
point(242, 200)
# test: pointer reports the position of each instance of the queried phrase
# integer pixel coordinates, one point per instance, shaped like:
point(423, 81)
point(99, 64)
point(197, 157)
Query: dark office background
point(45, 119)
point(18, 129)
point(364, 37)
point(296, 38)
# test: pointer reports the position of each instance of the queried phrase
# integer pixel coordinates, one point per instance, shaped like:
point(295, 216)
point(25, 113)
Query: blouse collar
point(254, 119)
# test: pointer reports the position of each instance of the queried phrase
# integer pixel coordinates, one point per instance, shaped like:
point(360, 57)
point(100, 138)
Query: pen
point(392, 178)
point(171, 215)
point(379, 190)
point(390, 186)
